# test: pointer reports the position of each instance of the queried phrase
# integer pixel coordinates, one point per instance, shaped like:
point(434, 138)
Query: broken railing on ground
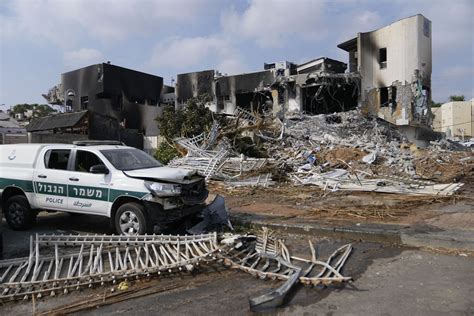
point(342, 180)
point(61, 263)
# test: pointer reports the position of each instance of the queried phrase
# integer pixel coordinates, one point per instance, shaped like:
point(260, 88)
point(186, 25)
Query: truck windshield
point(130, 159)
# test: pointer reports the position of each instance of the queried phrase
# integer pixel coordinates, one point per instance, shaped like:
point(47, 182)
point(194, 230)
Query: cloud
point(83, 57)
point(179, 52)
point(458, 71)
point(187, 53)
point(452, 25)
point(272, 23)
point(66, 22)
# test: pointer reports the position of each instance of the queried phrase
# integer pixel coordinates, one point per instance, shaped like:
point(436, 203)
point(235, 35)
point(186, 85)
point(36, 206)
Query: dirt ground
point(309, 203)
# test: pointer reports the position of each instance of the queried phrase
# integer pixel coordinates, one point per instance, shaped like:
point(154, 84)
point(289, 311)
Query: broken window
point(337, 96)
point(220, 99)
point(253, 101)
point(84, 102)
point(383, 58)
point(383, 97)
point(393, 97)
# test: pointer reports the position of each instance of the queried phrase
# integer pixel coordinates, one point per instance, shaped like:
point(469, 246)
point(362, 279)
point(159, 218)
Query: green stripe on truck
point(116, 193)
point(25, 185)
point(72, 191)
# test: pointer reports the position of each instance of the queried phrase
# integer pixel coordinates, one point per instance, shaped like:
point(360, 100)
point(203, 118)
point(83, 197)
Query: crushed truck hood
point(163, 173)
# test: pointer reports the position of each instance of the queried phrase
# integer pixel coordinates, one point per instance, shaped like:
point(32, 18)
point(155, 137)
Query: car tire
point(18, 213)
point(130, 220)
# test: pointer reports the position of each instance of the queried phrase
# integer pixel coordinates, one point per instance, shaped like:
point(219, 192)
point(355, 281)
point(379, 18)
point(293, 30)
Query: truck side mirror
point(99, 169)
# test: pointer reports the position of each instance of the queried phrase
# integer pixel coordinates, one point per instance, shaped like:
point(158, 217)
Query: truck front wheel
point(18, 213)
point(130, 220)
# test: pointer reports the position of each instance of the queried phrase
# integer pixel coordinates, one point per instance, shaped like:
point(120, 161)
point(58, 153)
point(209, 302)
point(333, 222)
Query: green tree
point(436, 104)
point(39, 110)
point(456, 98)
point(189, 121)
point(21, 108)
point(165, 153)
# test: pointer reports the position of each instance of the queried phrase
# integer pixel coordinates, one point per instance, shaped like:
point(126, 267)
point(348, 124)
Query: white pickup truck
point(100, 178)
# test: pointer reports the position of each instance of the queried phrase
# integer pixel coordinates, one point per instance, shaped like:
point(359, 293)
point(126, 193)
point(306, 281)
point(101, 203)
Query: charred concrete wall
point(193, 84)
point(129, 96)
point(322, 64)
point(323, 93)
point(242, 90)
point(395, 66)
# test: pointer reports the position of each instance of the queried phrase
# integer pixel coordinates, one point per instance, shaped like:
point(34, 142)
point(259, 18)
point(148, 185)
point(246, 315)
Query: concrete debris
point(370, 158)
point(307, 149)
point(62, 263)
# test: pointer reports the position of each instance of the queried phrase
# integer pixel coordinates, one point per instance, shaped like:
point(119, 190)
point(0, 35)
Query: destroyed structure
point(288, 112)
point(389, 76)
point(319, 86)
point(394, 63)
point(336, 152)
point(383, 104)
point(122, 104)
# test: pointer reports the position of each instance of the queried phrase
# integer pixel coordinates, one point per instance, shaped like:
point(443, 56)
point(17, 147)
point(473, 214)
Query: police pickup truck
point(103, 178)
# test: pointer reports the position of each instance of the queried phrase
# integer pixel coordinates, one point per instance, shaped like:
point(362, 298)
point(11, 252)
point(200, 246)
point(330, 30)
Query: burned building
point(394, 63)
point(321, 86)
point(128, 97)
point(388, 75)
point(193, 84)
point(249, 91)
point(318, 86)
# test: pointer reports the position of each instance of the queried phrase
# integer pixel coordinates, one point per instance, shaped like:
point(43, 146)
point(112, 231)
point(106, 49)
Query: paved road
point(387, 281)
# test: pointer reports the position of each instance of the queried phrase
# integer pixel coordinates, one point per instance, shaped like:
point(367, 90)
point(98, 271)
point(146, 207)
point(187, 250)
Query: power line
point(467, 122)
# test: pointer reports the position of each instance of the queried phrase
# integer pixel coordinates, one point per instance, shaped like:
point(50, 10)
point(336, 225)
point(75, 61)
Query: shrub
point(165, 153)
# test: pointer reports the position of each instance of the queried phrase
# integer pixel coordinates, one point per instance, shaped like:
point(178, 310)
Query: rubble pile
point(343, 151)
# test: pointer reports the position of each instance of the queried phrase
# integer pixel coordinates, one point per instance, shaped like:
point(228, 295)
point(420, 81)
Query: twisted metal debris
point(267, 256)
point(69, 262)
point(99, 259)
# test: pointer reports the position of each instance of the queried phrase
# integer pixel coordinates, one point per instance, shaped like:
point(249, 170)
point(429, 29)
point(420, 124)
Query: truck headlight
point(163, 189)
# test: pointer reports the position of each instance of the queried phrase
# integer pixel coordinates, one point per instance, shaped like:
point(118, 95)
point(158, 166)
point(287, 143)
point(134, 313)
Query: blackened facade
point(129, 96)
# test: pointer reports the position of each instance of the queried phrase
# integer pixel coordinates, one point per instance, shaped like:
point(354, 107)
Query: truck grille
point(194, 193)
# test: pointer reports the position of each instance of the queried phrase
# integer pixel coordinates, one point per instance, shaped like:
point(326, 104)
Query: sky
point(40, 39)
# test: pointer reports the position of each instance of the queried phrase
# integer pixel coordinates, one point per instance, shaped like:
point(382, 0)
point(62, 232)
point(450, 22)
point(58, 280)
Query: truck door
point(51, 178)
point(88, 192)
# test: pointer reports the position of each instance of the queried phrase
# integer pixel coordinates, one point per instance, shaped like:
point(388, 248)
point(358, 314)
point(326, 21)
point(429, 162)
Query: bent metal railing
point(61, 263)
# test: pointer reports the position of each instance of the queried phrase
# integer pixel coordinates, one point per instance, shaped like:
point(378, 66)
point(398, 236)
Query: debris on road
point(69, 262)
point(266, 256)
